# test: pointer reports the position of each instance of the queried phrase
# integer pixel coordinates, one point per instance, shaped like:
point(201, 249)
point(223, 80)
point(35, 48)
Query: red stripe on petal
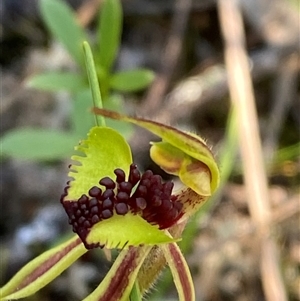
point(180, 271)
point(186, 287)
point(48, 264)
point(43, 269)
point(120, 281)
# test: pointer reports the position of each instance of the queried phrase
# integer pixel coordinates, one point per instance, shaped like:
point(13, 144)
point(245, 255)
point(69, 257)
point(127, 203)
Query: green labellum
point(102, 152)
point(122, 231)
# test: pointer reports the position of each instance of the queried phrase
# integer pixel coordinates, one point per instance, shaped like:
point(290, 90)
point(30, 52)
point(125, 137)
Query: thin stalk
point(93, 80)
point(135, 294)
point(242, 95)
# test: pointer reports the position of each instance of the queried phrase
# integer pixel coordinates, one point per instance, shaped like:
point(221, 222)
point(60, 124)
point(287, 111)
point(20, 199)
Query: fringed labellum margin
point(121, 207)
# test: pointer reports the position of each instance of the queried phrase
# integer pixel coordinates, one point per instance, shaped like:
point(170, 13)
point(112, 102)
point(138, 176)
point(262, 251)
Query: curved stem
point(93, 80)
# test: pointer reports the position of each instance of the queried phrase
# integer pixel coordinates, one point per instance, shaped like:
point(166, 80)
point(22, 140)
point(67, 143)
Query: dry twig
point(241, 93)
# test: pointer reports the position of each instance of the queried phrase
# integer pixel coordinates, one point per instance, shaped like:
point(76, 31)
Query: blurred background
point(176, 51)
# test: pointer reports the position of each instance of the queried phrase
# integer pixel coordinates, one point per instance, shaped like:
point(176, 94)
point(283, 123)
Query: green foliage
point(131, 80)
point(109, 33)
point(61, 22)
point(39, 144)
point(55, 81)
point(93, 79)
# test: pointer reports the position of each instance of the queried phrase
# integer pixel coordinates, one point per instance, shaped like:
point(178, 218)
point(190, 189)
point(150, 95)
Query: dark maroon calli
point(152, 199)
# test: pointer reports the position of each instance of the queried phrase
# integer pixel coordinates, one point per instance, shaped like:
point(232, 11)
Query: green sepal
point(119, 281)
point(42, 270)
point(102, 152)
point(122, 231)
point(180, 272)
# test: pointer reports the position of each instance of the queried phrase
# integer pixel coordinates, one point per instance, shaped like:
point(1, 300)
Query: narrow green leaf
point(37, 144)
point(62, 23)
point(42, 270)
point(119, 281)
point(180, 271)
point(93, 79)
point(131, 80)
point(109, 32)
point(101, 153)
point(56, 81)
point(135, 294)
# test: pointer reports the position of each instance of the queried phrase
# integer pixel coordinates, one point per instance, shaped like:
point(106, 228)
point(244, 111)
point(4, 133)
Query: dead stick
point(241, 93)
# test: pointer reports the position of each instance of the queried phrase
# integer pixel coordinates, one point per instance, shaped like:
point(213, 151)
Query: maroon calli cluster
point(152, 200)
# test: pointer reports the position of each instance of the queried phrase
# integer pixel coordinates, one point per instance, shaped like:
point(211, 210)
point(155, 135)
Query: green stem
point(135, 294)
point(93, 80)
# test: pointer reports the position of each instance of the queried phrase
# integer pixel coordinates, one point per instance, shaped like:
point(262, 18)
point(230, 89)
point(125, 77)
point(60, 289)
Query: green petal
point(168, 156)
point(190, 144)
point(122, 231)
point(42, 270)
point(119, 281)
point(180, 271)
point(102, 152)
point(193, 173)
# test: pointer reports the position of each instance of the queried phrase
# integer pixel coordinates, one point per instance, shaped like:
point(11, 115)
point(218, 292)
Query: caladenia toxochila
point(111, 204)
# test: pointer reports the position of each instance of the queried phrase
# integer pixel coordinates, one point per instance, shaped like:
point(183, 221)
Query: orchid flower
point(110, 204)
